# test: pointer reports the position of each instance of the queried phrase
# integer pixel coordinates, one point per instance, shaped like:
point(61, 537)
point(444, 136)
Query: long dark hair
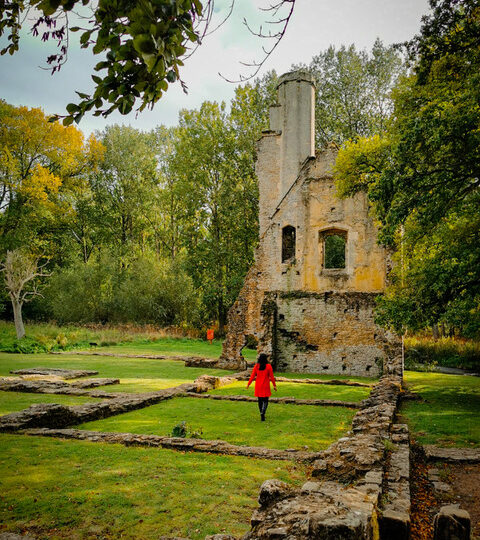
point(262, 361)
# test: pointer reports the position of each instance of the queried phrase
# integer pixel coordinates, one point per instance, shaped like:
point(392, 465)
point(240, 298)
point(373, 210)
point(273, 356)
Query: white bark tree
point(20, 271)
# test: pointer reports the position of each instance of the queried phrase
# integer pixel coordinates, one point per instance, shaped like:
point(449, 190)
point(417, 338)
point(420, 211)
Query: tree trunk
point(435, 332)
point(17, 316)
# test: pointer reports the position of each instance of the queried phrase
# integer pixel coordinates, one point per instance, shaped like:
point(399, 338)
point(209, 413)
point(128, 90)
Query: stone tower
point(309, 297)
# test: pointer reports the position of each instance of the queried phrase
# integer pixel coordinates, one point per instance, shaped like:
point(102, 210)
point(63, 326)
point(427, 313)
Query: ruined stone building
point(309, 297)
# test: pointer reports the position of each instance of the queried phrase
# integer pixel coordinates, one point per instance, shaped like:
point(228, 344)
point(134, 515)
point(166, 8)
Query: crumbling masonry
point(310, 295)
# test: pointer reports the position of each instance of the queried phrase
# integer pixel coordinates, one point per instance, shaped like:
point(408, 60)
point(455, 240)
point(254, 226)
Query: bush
point(147, 291)
point(83, 292)
point(447, 352)
point(157, 292)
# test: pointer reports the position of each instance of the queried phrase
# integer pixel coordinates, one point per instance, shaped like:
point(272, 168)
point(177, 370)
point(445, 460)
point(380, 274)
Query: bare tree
point(20, 271)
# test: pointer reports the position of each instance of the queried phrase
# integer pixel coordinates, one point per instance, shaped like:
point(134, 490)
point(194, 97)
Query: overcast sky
point(315, 25)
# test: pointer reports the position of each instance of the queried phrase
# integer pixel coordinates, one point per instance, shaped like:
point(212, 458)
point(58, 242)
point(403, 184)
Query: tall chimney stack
point(287, 144)
point(294, 116)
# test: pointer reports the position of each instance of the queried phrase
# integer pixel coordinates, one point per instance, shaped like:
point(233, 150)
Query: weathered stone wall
point(307, 317)
point(328, 333)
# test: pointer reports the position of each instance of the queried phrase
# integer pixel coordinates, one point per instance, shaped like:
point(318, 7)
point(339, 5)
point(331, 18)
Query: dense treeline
point(156, 227)
point(161, 227)
point(422, 176)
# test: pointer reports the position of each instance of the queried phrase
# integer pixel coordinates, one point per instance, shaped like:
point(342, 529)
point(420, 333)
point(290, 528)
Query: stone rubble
point(320, 510)
point(452, 455)
point(452, 523)
point(438, 484)
point(60, 372)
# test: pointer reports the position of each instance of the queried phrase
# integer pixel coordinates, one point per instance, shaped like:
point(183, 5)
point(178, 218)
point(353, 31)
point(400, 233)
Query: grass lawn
point(16, 401)
point(135, 374)
point(287, 426)
point(175, 346)
point(79, 490)
point(449, 414)
point(300, 391)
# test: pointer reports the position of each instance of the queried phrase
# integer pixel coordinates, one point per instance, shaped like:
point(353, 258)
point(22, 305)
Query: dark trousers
point(262, 404)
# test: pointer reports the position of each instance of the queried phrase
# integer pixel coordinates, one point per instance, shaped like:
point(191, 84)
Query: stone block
point(452, 523)
point(13, 536)
point(273, 490)
point(394, 525)
point(442, 487)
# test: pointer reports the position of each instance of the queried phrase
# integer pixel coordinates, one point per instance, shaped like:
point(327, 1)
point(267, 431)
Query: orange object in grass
point(210, 335)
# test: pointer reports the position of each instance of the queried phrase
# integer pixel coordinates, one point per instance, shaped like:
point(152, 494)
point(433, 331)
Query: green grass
point(300, 391)
point(125, 339)
point(175, 346)
point(287, 426)
point(78, 490)
point(135, 374)
point(16, 401)
point(449, 414)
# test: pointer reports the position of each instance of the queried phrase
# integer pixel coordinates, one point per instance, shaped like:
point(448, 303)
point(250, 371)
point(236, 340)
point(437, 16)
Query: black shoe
point(262, 417)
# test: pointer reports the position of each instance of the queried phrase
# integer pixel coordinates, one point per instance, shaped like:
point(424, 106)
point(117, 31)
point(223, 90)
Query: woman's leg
point(265, 405)
point(260, 404)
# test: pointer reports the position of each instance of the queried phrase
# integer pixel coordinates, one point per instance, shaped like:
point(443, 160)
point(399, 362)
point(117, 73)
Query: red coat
point(262, 380)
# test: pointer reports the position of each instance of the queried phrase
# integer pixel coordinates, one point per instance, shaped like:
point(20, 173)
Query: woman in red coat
point(263, 374)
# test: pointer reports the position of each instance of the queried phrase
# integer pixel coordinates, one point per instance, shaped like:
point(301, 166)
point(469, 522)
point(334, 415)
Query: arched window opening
point(288, 243)
point(334, 247)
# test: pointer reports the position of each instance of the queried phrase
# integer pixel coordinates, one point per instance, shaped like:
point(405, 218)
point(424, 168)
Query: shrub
point(183, 430)
point(147, 291)
point(447, 352)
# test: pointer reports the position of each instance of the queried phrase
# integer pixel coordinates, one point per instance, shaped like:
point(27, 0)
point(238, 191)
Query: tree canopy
point(353, 91)
point(142, 45)
point(422, 175)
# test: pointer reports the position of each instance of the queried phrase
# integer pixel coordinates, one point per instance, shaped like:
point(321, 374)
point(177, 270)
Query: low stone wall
point(38, 386)
point(193, 361)
point(59, 372)
point(51, 415)
point(284, 400)
point(177, 443)
point(395, 515)
point(335, 382)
